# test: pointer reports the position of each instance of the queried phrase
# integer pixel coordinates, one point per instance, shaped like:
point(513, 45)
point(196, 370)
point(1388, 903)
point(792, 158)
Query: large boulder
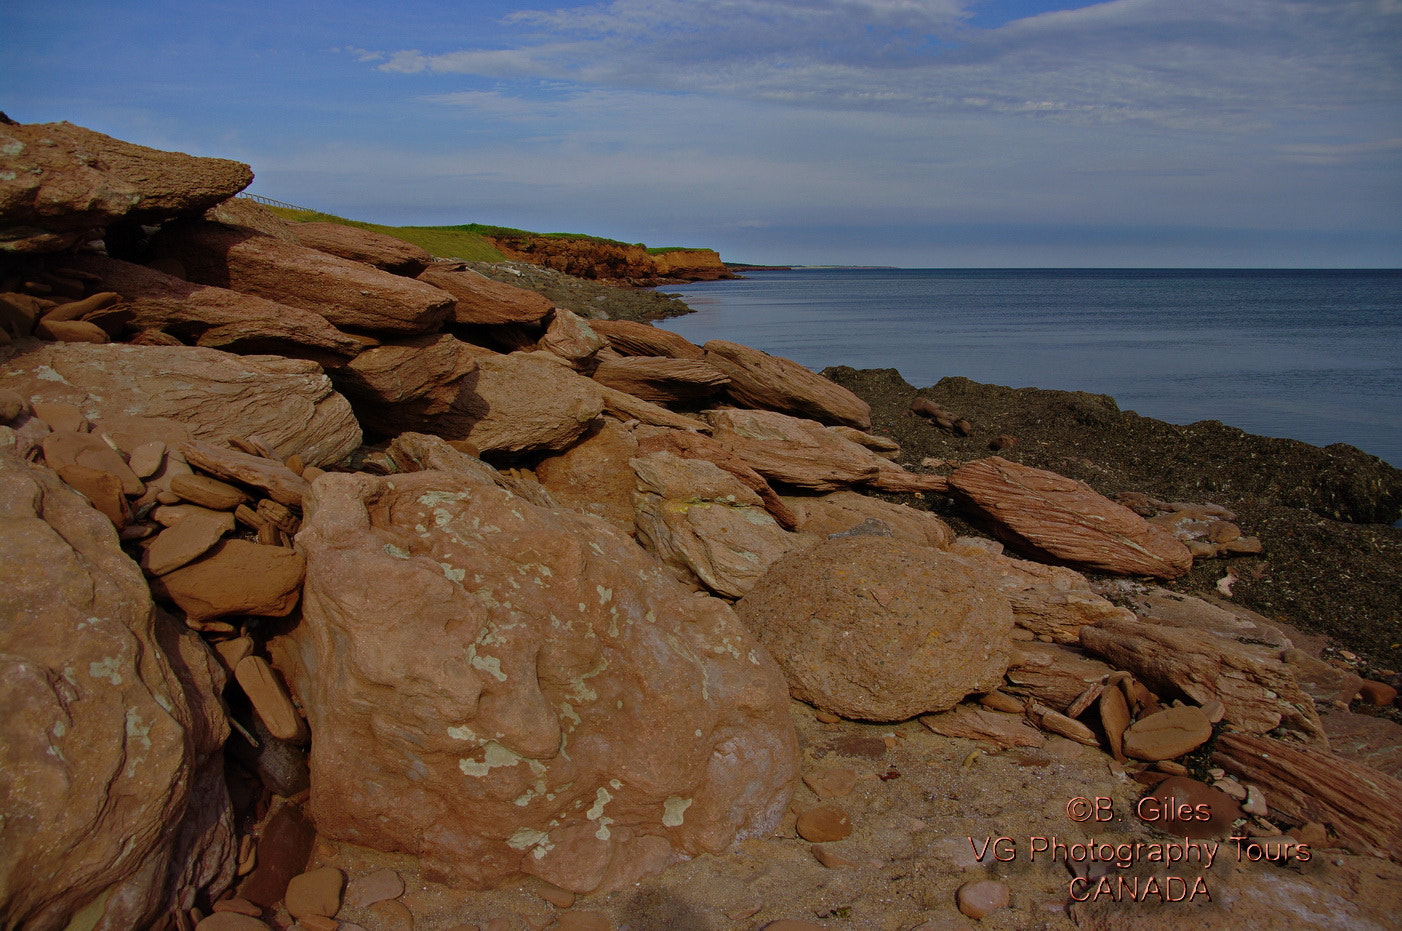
point(572, 713)
point(630, 338)
point(705, 524)
point(288, 403)
point(758, 379)
point(873, 628)
point(359, 245)
point(480, 300)
point(112, 798)
point(59, 182)
point(351, 295)
point(215, 317)
point(660, 379)
point(593, 475)
point(1067, 520)
point(407, 384)
point(795, 451)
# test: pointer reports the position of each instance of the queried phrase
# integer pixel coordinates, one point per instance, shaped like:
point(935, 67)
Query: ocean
point(1309, 355)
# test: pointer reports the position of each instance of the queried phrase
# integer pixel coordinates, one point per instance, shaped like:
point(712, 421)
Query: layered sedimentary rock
point(1067, 520)
point(872, 628)
point(542, 645)
point(367, 246)
point(288, 403)
point(760, 380)
point(59, 182)
point(480, 300)
point(112, 792)
point(630, 338)
point(349, 294)
point(660, 379)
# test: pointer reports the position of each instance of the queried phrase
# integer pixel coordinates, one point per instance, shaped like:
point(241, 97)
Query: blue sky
point(900, 132)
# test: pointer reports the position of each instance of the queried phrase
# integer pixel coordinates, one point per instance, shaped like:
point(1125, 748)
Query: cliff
point(621, 263)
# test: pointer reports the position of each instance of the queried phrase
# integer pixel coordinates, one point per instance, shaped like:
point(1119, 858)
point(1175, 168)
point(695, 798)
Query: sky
point(918, 133)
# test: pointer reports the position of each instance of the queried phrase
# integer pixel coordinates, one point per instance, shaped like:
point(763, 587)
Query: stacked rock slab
point(112, 793)
point(472, 667)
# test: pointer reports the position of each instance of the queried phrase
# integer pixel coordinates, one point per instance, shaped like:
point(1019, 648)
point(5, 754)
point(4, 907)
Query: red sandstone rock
point(480, 300)
point(1004, 731)
point(1067, 519)
point(940, 635)
point(760, 380)
point(571, 338)
point(217, 317)
point(982, 898)
point(794, 451)
point(277, 480)
point(1166, 812)
point(112, 783)
point(660, 379)
point(823, 824)
point(1167, 734)
point(59, 181)
point(349, 294)
point(840, 511)
point(592, 475)
point(691, 445)
point(287, 402)
point(641, 339)
point(407, 384)
point(317, 892)
point(237, 577)
point(186, 541)
point(542, 645)
point(360, 245)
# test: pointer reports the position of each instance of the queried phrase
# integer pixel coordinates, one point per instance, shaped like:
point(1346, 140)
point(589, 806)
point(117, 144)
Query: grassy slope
point(467, 242)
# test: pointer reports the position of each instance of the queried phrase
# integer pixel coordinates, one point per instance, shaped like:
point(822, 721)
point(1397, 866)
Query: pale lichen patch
point(674, 811)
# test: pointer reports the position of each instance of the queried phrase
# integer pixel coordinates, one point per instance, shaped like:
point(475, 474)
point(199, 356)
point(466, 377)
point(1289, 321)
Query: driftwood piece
point(1359, 805)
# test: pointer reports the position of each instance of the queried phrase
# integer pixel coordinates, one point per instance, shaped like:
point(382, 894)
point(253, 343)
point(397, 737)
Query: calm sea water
point(1309, 355)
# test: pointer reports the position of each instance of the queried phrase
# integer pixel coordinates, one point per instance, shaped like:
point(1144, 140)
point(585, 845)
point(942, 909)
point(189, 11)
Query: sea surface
point(1309, 355)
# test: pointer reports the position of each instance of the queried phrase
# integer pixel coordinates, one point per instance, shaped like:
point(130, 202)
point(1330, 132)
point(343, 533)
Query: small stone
point(146, 460)
point(1172, 767)
point(61, 417)
point(374, 887)
point(71, 331)
point(831, 860)
point(824, 823)
point(186, 541)
point(237, 577)
point(982, 898)
point(827, 717)
point(831, 783)
point(317, 923)
point(65, 447)
point(1001, 701)
point(206, 491)
point(102, 488)
point(317, 892)
point(1115, 718)
point(1377, 693)
point(1167, 734)
point(12, 405)
point(238, 906)
point(230, 652)
point(1255, 803)
point(560, 898)
point(231, 921)
point(1180, 804)
point(1213, 710)
point(271, 702)
point(392, 915)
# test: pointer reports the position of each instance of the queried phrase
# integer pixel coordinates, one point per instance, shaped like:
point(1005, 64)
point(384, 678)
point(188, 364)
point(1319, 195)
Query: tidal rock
point(630, 338)
point(216, 317)
point(625, 407)
point(186, 540)
point(1054, 673)
point(112, 793)
point(1067, 520)
point(543, 643)
point(58, 182)
point(317, 892)
point(64, 448)
point(702, 522)
point(872, 628)
point(287, 402)
point(760, 380)
point(1176, 810)
point(480, 300)
point(359, 245)
point(660, 379)
point(797, 452)
point(349, 294)
point(1256, 687)
point(831, 782)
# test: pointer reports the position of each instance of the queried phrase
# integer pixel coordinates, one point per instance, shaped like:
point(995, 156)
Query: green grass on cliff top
point(468, 241)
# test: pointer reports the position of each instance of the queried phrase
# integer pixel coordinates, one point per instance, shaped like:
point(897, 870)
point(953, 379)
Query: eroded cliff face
point(615, 262)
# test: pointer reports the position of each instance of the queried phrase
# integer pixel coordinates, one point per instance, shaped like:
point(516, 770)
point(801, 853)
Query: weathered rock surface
point(840, 511)
point(349, 242)
point(216, 317)
point(1067, 520)
point(1053, 673)
point(631, 338)
point(590, 477)
point(795, 451)
point(349, 294)
point(287, 402)
point(1360, 805)
point(701, 521)
point(660, 379)
point(691, 445)
point(407, 384)
point(1257, 687)
point(570, 338)
point(542, 644)
point(281, 483)
point(758, 379)
point(872, 628)
point(518, 403)
point(58, 182)
point(1004, 731)
point(236, 577)
point(1167, 734)
point(112, 791)
point(480, 300)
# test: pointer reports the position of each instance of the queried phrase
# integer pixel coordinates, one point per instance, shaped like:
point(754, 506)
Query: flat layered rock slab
point(58, 181)
point(1067, 519)
point(349, 242)
point(480, 300)
point(760, 380)
point(348, 294)
point(289, 403)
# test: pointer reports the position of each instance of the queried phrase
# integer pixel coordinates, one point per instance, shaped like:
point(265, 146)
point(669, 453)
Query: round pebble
point(824, 823)
point(978, 899)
